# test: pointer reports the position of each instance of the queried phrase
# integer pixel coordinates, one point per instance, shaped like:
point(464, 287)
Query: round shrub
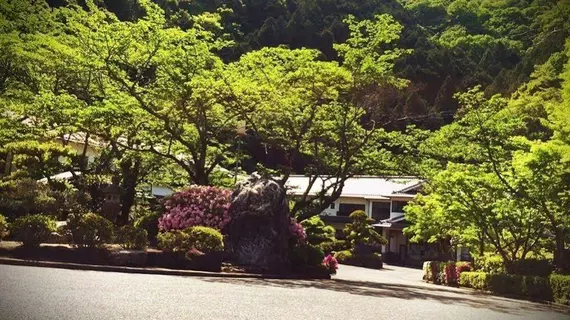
point(3, 227)
point(205, 239)
point(331, 264)
point(90, 230)
point(131, 237)
point(196, 206)
point(318, 232)
point(173, 241)
point(32, 230)
point(489, 263)
point(360, 233)
point(149, 222)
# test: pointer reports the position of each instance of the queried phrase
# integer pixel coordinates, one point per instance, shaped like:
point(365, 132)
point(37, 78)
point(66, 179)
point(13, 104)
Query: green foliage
point(524, 286)
point(90, 230)
point(489, 263)
point(560, 285)
point(205, 239)
point(148, 222)
point(3, 227)
point(173, 241)
point(475, 280)
point(202, 239)
point(360, 232)
point(318, 233)
point(32, 230)
point(343, 255)
point(131, 237)
point(307, 255)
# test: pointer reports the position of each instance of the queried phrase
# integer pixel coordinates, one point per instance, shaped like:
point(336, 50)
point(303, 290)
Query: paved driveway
point(356, 293)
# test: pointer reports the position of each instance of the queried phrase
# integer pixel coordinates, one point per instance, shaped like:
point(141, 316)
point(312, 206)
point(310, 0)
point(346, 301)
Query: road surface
point(356, 293)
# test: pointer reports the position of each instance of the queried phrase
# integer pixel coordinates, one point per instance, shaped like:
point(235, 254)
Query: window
point(332, 205)
point(345, 209)
point(398, 206)
point(380, 210)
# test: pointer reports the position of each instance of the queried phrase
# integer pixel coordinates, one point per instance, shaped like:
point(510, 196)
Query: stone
point(131, 258)
point(258, 233)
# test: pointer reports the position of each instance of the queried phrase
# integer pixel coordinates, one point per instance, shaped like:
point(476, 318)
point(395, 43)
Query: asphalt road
point(394, 293)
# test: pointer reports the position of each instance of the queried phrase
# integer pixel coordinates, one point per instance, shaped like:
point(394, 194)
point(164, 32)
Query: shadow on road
point(469, 298)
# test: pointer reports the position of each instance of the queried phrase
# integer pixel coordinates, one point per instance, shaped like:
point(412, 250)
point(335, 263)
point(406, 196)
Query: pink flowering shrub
point(196, 206)
point(462, 266)
point(297, 232)
point(450, 274)
point(331, 264)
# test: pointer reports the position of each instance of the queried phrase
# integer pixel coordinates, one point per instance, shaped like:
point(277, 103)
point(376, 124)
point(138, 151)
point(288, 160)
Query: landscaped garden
point(201, 228)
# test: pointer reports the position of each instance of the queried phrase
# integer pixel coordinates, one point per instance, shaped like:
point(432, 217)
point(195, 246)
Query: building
point(383, 200)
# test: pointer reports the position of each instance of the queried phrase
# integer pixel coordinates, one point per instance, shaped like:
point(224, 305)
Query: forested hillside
point(456, 44)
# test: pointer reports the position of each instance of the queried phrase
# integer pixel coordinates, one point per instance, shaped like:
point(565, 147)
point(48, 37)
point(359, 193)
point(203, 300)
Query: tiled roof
point(370, 187)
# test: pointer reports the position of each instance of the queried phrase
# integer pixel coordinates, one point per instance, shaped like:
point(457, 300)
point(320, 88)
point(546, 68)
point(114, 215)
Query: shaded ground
point(356, 293)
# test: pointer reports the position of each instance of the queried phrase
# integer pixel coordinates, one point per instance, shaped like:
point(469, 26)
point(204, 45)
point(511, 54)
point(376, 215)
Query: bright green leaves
point(369, 53)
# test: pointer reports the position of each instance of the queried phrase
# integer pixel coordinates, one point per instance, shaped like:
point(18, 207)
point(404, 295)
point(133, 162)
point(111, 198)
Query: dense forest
point(473, 96)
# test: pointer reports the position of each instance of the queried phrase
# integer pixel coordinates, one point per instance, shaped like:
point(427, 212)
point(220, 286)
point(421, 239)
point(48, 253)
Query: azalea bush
point(196, 206)
point(331, 264)
point(297, 232)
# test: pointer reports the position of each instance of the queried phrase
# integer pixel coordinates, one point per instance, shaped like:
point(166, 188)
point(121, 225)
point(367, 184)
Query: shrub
point(450, 272)
point(32, 230)
point(196, 206)
point(560, 285)
point(148, 222)
point(90, 230)
point(297, 232)
point(462, 266)
point(524, 286)
point(339, 245)
point(131, 237)
point(331, 264)
point(3, 227)
point(475, 280)
point(173, 241)
point(307, 255)
point(317, 231)
point(489, 263)
point(343, 255)
point(360, 232)
point(205, 239)
point(533, 267)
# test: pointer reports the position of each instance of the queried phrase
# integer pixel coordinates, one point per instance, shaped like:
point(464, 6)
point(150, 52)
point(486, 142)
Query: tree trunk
point(130, 172)
point(559, 253)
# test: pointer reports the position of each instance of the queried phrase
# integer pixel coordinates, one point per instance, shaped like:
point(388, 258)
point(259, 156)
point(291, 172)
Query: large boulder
point(258, 233)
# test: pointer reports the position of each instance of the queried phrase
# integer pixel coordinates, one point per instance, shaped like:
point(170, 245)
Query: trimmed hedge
point(131, 237)
point(524, 286)
point(560, 288)
point(3, 227)
point(371, 260)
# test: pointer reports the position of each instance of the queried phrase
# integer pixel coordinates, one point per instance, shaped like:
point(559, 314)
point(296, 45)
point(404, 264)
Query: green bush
point(307, 255)
point(3, 227)
point(489, 263)
point(149, 222)
point(533, 267)
point(317, 231)
point(371, 260)
point(32, 230)
point(342, 256)
point(205, 239)
point(524, 286)
point(475, 280)
point(360, 232)
point(560, 285)
point(90, 230)
point(131, 237)
point(173, 241)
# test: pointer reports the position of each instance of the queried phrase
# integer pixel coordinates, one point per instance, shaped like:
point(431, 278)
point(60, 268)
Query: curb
point(151, 271)
point(156, 271)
